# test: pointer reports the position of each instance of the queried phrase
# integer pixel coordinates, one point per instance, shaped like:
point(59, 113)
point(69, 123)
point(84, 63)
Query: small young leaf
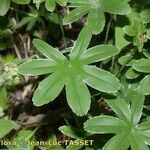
point(104, 124)
point(131, 73)
point(6, 126)
point(50, 5)
point(144, 86)
point(48, 50)
point(37, 67)
point(49, 89)
point(130, 30)
point(98, 53)
point(101, 80)
point(78, 98)
point(4, 7)
point(142, 65)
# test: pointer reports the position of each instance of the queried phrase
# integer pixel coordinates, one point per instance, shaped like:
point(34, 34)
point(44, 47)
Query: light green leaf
point(97, 26)
point(78, 96)
point(144, 86)
point(145, 135)
point(74, 147)
point(104, 124)
point(130, 30)
point(62, 2)
point(148, 34)
point(101, 80)
point(115, 7)
point(137, 100)
point(6, 126)
point(131, 73)
point(75, 14)
point(137, 143)
point(123, 60)
point(79, 2)
point(3, 98)
point(50, 5)
point(82, 43)
point(120, 40)
point(37, 67)
point(121, 108)
point(144, 126)
point(48, 50)
point(4, 7)
point(22, 1)
point(118, 142)
point(142, 65)
point(98, 53)
point(49, 89)
point(72, 132)
point(144, 15)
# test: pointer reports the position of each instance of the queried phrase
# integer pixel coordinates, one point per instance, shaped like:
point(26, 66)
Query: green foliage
point(128, 131)
point(6, 126)
point(73, 73)
point(95, 10)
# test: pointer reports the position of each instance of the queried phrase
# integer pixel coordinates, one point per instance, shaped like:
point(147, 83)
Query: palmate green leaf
point(144, 126)
point(49, 89)
point(48, 50)
point(101, 80)
point(22, 1)
point(82, 43)
point(75, 14)
point(37, 67)
point(118, 142)
point(72, 132)
point(145, 136)
point(121, 108)
point(98, 53)
point(78, 96)
point(4, 7)
point(6, 126)
point(120, 7)
point(104, 124)
point(96, 26)
point(142, 65)
point(144, 86)
point(50, 5)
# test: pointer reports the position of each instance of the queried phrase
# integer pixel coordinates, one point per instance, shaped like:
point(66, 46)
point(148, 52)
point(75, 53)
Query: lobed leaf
point(98, 53)
point(48, 50)
point(104, 124)
point(49, 89)
point(78, 96)
point(37, 67)
point(97, 26)
point(75, 14)
point(119, 141)
point(120, 7)
point(82, 43)
point(101, 80)
point(121, 108)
